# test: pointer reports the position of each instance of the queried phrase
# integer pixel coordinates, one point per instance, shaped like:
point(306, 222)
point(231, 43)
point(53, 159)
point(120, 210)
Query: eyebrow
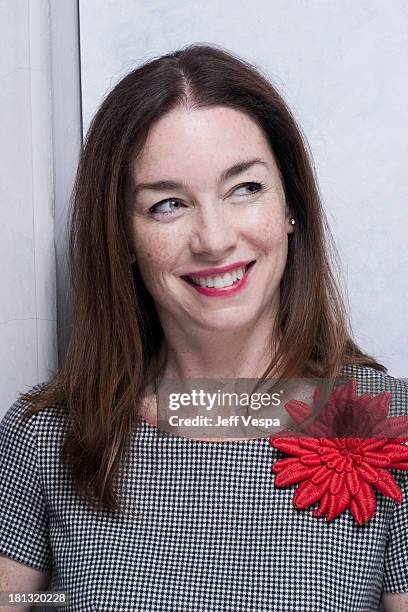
point(234, 170)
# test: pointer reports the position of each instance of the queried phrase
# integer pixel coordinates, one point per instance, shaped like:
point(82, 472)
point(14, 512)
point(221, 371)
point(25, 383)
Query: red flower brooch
point(340, 472)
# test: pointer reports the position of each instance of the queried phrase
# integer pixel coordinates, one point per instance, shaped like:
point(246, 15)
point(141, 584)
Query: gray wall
point(28, 329)
point(40, 124)
point(341, 65)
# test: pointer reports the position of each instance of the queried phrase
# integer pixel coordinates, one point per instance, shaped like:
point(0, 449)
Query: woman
point(193, 165)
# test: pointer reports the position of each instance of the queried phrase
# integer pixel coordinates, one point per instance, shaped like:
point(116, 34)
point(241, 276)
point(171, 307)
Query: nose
point(213, 234)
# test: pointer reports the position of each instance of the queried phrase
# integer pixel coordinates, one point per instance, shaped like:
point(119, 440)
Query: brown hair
point(116, 332)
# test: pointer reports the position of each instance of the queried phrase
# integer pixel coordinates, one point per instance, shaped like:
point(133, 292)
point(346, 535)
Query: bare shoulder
point(395, 602)
point(148, 407)
point(16, 576)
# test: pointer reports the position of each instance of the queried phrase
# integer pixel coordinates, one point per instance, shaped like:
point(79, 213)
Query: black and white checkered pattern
point(213, 533)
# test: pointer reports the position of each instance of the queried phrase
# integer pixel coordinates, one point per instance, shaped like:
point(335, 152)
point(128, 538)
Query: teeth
point(220, 281)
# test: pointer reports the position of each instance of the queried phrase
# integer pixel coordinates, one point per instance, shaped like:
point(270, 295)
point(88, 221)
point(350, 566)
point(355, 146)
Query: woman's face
point(200, 217)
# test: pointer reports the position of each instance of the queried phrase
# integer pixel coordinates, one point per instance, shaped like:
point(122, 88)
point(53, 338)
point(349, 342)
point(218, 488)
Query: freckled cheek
point(155, 257)
point(267, 235)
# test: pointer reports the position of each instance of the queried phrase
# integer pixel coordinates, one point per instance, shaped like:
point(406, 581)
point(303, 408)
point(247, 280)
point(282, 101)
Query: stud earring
point(292, 221)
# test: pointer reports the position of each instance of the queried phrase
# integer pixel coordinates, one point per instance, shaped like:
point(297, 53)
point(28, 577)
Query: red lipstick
point(217, 271)
point(223, 291)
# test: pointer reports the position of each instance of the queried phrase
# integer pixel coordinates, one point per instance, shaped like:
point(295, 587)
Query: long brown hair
point(116, 332)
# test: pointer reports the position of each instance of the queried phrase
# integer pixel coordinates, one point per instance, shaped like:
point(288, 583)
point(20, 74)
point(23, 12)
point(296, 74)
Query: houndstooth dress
point(211, 532)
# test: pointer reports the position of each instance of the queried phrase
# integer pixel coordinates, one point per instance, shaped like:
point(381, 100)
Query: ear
point(290, 227)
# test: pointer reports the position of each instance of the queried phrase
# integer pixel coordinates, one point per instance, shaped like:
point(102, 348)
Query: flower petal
point(317, 428)
point(312, 444)
point(289, 446)
point(387, 484)
point(322, 474)
point(337, 482)
point(338, 503)
point(392, 427)
point(363, 504)
point(330, 442)
point(294, 473)
point(352, 482)
point(298, 410)
point(307, 493)
point(281, 464)
point(396, 452)
point(373, 443)
point(378, 406)
point(399, 465)
point(377, 458)
point(330, 455)
point(286, 433)
point(311, 459)
point(322, 507)
point(348, 391)
point(366, 472)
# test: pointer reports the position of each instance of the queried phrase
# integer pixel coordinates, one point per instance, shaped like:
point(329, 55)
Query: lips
point(226, 291)
point(217, 271)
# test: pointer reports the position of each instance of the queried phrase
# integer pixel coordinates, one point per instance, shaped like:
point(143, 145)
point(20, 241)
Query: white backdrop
point(40, 126)
point(341, 66)
point(28, 317)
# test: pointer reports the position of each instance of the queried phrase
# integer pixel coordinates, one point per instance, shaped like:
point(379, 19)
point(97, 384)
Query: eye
point(157, 208)
point(177, 204)
point(256, 187)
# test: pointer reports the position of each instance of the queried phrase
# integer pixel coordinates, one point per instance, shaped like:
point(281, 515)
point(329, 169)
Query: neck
point(192, 353)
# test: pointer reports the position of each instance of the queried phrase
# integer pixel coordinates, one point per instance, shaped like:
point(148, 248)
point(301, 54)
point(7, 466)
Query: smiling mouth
point(220, 281)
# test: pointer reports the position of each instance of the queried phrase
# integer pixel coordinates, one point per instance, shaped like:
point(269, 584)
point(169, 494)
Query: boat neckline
point(167, 435)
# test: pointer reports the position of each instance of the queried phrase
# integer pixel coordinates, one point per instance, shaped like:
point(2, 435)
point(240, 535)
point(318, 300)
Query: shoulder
point(374, 381)
point(15, 420)
point(19, 428)
point(24, 516)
